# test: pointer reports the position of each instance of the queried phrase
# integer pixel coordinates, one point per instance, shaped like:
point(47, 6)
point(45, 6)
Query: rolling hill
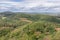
point(24, 26)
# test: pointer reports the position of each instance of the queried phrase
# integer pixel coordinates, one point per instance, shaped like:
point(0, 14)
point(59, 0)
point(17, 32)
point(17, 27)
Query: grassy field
point(23, 26)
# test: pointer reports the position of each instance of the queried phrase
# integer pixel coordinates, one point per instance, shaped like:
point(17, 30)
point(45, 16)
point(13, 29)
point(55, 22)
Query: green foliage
point(4, 32)
point(56, 36)
point(12, 27)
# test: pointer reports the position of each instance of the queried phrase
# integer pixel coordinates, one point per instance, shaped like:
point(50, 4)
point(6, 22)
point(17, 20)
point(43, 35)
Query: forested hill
point(26, 26)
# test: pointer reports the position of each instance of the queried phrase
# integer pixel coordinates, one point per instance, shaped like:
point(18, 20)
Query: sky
point(30, 5)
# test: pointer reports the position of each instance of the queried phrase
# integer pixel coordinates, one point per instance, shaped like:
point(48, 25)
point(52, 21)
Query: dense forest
point(25, 26)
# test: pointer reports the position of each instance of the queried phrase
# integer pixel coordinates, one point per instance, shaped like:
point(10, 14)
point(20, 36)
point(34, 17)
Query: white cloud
point(1, 7)
point(29, 4)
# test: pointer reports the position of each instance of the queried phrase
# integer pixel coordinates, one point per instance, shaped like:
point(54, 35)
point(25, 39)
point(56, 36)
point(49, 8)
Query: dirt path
point(26, 20)
point(57, 29)
point(47, 37)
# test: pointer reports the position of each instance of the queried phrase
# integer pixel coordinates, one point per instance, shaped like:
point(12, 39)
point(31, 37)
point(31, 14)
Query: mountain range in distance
point(45, 13)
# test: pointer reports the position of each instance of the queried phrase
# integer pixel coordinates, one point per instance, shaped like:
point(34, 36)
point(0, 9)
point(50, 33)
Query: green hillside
point(23, 26)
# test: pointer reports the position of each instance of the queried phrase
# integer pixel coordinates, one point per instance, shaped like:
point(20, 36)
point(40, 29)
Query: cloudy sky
point(30, 5)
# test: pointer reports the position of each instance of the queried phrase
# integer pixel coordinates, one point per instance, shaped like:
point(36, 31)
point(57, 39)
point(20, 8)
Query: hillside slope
point(21, 26)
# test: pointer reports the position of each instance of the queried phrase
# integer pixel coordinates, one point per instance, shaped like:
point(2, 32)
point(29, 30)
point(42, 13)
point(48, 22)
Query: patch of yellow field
point(3, 17)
